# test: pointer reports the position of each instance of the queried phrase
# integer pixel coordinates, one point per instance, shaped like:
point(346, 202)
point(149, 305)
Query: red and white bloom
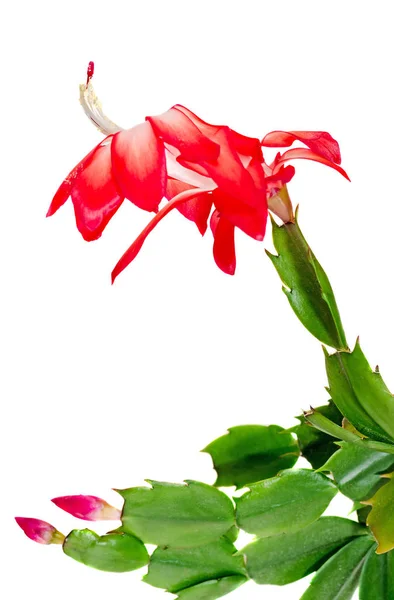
point(210, 173)
point(88, 508)
point(40, 531)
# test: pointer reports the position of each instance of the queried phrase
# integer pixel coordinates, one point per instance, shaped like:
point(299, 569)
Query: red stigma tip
point(90, 71)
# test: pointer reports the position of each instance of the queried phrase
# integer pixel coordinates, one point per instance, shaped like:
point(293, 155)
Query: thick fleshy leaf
point(362, 512)
point(381, 518)
point(281, 559)
point(177, 568)
point(212, 589)
point(306, 285)
point(377, 577)
point(136, 246)
point(243, 144)
point(117, 552)
point(316, 446)
point(345, 433)
point(339, 576)
point(250, 453)
point(224, 243)
point(171, 514)
point(320, 142)
point(197, 209)
point(175, 128)
point(361, 394)
point(139, 166)
point(94, 194)
point(309, 155)
point(232, 534)
point(285, 503)
point(357, 471)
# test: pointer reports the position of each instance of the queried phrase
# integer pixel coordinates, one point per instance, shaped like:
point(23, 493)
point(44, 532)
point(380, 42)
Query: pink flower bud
point(40, 531)
point(89, 508)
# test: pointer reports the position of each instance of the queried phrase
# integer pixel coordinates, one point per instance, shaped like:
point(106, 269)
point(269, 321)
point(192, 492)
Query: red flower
point(89, 508)
point(202, 169)
point(40, 531)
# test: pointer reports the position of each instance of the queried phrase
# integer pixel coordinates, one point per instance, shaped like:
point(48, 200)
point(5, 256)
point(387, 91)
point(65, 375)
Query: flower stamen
point(92, 105)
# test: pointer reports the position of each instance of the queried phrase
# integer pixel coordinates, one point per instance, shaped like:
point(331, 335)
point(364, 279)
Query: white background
point(104, 386)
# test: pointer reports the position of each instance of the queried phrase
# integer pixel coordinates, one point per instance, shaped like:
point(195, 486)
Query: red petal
point(94, 194)
point(193, 166)
point(320, 142)
point(136, 246)
point(241, 143)
point(197, 209)
point(283, 176)
point(175, 187)
point(256, 171)
point(224, 244)
point(92, 191)
point(251, 221)
point(59, 198)
point(181, 172)
point(178, 130)
point(246, 145)
point(214, 220)
point(139, 167)
point(65, 188)
point(309, 155)
point(206, 128)
point(229, 173)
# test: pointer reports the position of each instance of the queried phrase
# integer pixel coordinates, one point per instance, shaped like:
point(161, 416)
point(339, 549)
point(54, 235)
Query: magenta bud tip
point(40, 531)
